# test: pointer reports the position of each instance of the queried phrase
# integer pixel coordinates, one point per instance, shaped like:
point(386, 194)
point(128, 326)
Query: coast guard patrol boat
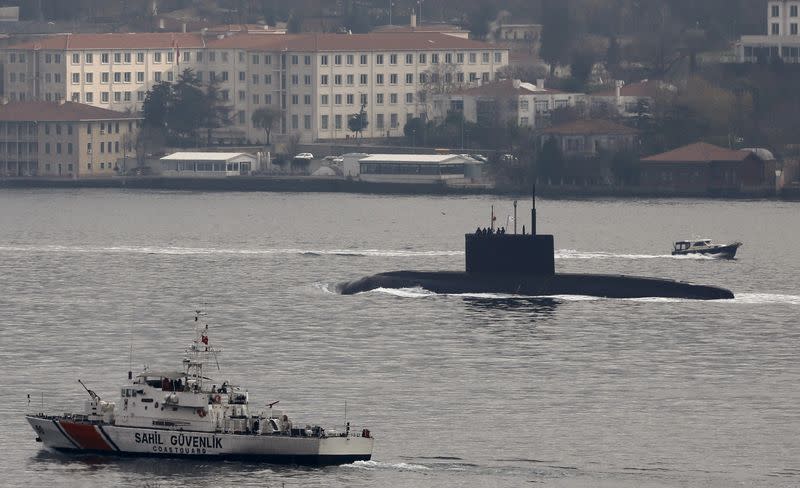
point(186, 414)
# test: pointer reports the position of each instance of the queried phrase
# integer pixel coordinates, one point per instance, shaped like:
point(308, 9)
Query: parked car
point(307, 156)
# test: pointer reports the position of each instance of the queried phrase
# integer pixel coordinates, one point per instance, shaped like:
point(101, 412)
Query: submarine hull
point(608, 286)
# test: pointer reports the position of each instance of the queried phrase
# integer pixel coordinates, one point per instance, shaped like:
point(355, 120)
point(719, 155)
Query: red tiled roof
point(699, 152)
point(590, 126)
point(644, 88)
point(390, 41)
point(57, 112)
point(506, 88)
point(382, 29)
point(132, 40)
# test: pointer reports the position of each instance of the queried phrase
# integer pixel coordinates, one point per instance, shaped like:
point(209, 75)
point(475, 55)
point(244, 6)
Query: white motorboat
point(186, 414)
point(707, 247)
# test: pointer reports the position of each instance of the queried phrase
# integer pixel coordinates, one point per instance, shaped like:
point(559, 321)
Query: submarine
point(524, 264)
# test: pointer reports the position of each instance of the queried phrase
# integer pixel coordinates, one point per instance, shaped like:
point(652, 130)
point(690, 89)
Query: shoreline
point(300, 184)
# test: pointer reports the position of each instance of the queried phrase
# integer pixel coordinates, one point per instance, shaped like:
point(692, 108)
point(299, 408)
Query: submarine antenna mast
point(533, 209)
point(515, 216)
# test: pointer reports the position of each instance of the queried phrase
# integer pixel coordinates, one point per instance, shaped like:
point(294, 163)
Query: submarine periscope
point(524, 264)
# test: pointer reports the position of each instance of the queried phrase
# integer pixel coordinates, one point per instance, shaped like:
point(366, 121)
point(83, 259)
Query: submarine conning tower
point(511, 253)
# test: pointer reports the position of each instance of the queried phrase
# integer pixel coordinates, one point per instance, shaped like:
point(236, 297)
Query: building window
point(323, 60)
point(776, 11)
point(350, 99)
point(337, 99)
point(117, 97)
point(89, 58)
point(448, 58)
point(140, 58)
point(295, 99)
point(393, 59)
point(793, 11)
point(793, 29)
point(306, 79)
point(409, 78)
point(498, 57)
point(337, 121)
point(76, 78)
point(473, 58)
point(89, 97)
point(242, 95)
point(224, 76)
point(295, 121)
point(118, 58)
point(423, 58)
point(379, 121)
point(350, 79)
point(307, 122)
point(409, 59)
point(362, 79)
point(363, 59)
point(323, 99)
point(379, 59)
point(776, 29)
point(324, 122)
point(484, 57)
point(156, 57)
point(460, 58)
point(363, 98)
point(393, 121)
point(76, 59)
point(104, 58)
point(409, 98)
point(295, 79)
point(379, 79)
point(337, 59)
point(379, 98)
point(434, 58)
point(337, 79)
point(307, 99)
point(140, 76)
point(104, 97)
point(267, 79)
point(350, 59)
point(393, 79)
point(323, 79)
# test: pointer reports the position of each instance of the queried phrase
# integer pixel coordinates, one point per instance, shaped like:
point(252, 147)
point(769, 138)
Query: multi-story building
point(63, 139)
point(782, 39)
point(317, 81)
point(499, 102)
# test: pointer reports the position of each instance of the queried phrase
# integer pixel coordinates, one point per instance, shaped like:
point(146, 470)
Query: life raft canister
point(217, 399)
point(201, 412)
point(365, 433)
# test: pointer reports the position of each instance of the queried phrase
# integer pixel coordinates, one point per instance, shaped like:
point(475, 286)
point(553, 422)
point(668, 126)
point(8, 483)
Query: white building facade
point(782, 39)
point(527, 104)
point(317, 81)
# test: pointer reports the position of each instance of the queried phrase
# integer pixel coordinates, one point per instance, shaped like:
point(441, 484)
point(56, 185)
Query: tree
point(157, 104)
point(550, 160)
point(358, 122)
point(185, 117)
point(295, 24)
point(217, 113)
point(581, 68)
point(556, 35)
point(414, 128)
point(612, 54)
point(266, 117)
point(479, 18)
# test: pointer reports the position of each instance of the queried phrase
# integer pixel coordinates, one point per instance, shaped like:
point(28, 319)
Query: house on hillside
point(626, 100)
point(706, 169)
point(494, 104)
point(782, 40)
point(589, 137)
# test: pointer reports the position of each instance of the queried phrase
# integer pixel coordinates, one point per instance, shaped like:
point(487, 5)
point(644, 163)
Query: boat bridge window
point(699, 243)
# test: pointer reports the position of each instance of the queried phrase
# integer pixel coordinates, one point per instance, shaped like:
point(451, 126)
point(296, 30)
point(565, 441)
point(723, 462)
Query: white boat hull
point(65, 434)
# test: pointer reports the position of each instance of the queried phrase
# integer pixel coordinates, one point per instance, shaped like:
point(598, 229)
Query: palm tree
point(266, 117)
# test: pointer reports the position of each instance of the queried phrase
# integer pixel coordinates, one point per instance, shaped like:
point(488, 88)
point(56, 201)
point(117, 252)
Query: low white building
point(507, 100)
point(208, 164)
point(418, 168)
point(628, 100)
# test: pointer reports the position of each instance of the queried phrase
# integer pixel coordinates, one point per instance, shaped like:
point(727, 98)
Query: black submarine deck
point(598, 285)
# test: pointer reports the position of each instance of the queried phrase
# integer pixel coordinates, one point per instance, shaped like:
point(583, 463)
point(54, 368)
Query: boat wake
point(199, 251)
point(376, 465)
point(574, 254)
point(740, 299)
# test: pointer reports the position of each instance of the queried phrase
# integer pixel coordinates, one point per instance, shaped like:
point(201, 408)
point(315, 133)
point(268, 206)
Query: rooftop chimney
point(413, 20)
point(183, 27)
point(618, 88)
point(516, 83)
point(161, 23)
point(540, 83)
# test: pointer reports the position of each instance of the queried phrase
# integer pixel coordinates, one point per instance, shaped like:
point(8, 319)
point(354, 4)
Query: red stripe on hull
point(86, 436)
